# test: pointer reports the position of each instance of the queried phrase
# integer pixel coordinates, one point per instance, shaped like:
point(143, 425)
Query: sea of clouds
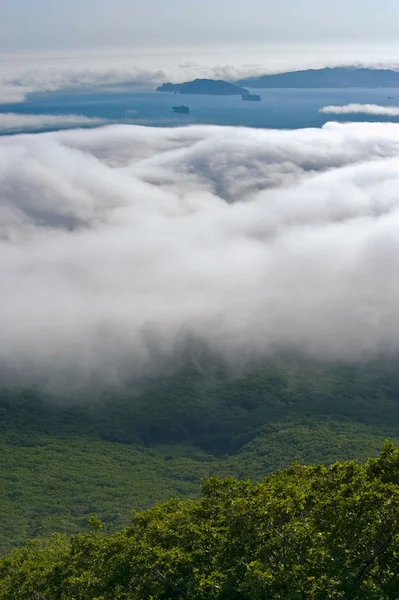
point(117, 243)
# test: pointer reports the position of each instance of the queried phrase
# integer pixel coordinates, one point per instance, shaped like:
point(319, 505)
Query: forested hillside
point(66, 457)
point(309, 532)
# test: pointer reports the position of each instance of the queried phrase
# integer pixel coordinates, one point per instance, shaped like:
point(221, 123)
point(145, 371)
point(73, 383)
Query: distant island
point(204, 86)
point(338, 77)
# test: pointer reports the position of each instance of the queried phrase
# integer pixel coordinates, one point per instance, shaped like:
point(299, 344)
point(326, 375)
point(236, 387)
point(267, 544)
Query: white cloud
point(116, 243)
point(361, 109)
point(14, 121)
point(23, 76)
point(27, 74)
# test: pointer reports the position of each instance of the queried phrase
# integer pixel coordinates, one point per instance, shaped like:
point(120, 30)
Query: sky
point(56, 24)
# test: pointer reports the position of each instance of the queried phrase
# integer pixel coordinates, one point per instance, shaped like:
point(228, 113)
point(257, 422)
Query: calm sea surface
point(279, 108)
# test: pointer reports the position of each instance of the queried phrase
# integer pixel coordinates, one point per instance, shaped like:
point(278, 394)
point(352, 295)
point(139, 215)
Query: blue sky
point(62, 24)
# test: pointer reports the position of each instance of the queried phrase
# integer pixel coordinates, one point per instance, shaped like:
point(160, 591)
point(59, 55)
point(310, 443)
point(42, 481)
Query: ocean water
point(279, 108)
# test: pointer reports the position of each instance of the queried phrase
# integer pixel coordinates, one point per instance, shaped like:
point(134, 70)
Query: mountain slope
point(65, 461)
point(307, 532)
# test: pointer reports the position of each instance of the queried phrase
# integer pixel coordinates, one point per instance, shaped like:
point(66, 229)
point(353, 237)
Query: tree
point(309, 532)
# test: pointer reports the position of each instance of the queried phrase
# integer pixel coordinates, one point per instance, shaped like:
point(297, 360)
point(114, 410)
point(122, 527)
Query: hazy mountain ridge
point(336, 77)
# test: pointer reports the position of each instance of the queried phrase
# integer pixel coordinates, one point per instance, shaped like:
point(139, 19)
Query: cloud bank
point(118, 243)
point(22, 75)
point(14, 122)
point(361, 109)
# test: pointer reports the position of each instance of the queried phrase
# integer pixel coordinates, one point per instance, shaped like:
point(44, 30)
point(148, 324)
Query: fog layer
point(10, 122)
point(363, 109)
point(118, 243)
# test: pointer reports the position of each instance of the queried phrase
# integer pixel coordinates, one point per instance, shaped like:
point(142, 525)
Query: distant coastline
point(337, 77)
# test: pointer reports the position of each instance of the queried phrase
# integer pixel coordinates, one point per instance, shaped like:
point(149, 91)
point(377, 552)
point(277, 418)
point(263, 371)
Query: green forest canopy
point(308, 532)
point(67, 458)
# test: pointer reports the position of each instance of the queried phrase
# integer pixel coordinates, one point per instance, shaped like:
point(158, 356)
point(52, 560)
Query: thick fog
point(10, 122)
point(362, 109)
point(117, 244)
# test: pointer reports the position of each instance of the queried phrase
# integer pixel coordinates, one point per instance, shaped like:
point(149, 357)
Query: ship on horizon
point(184, 110)
point(251, 97)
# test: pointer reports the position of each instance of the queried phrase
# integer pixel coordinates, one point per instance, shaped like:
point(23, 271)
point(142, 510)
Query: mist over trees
point(199, 302)
point(107, 450)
